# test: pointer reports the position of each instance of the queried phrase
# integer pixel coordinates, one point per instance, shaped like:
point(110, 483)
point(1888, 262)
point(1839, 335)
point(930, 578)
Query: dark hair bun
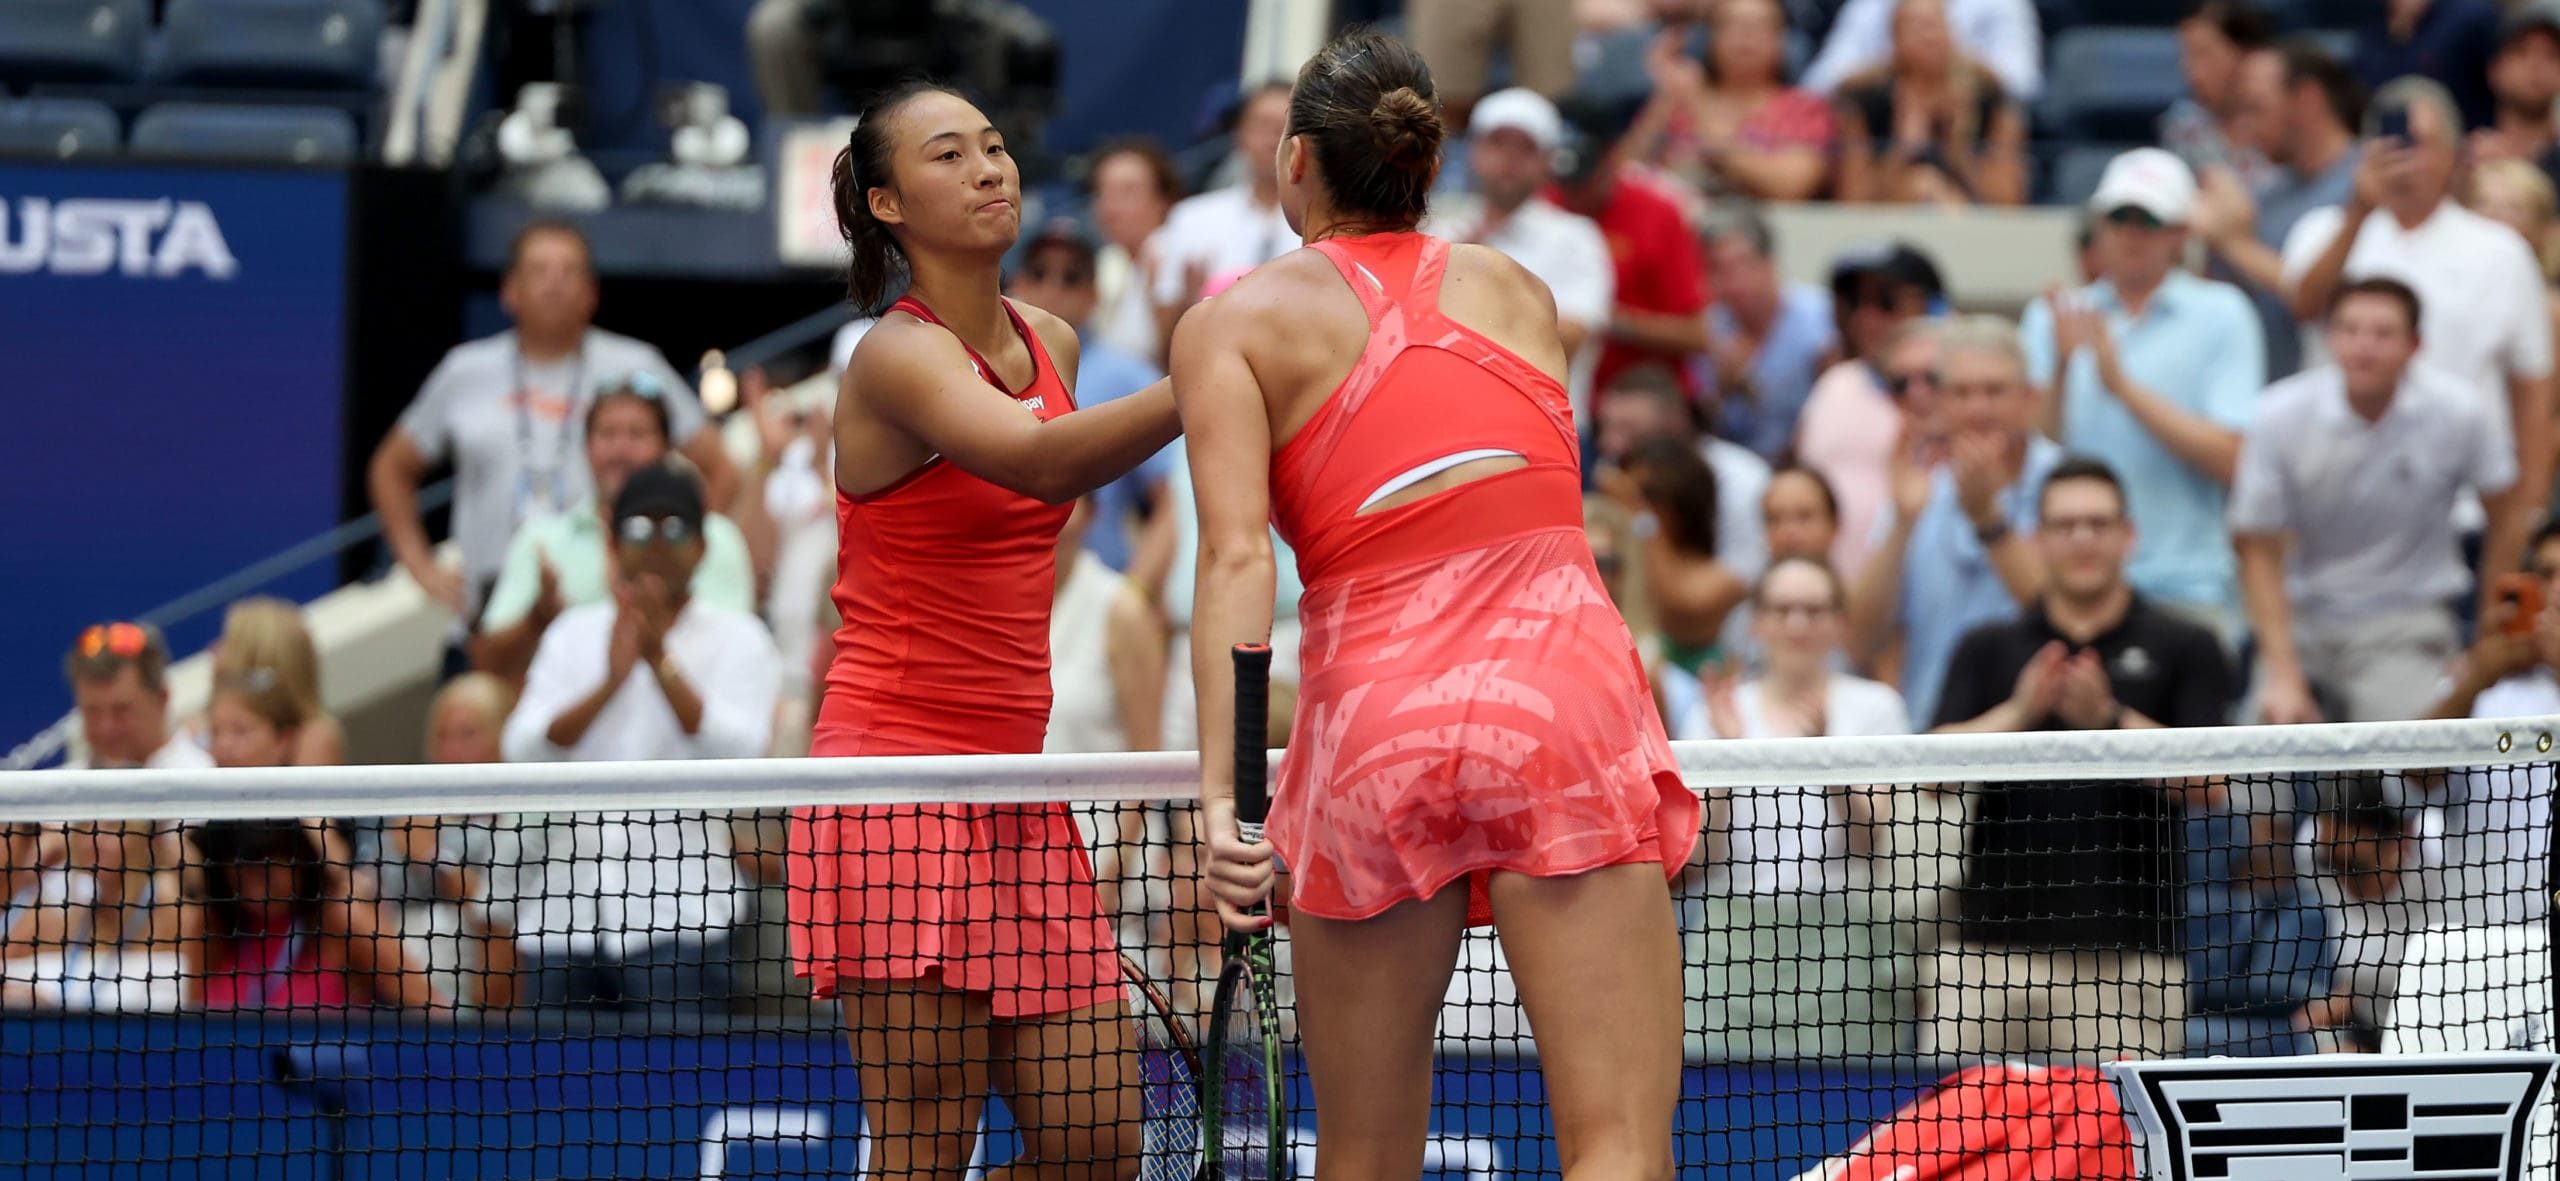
point(1365, 101)
point(1406, 127)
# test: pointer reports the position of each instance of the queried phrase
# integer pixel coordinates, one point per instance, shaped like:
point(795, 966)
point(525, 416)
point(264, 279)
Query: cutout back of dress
point(1427, 394)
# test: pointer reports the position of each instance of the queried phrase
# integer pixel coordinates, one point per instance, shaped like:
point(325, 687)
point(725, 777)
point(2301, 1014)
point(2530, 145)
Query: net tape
point(1815, 1006)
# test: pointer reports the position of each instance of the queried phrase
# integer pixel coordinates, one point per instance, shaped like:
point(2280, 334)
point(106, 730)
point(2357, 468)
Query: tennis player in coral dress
point(1474, 740)
point(967, 942)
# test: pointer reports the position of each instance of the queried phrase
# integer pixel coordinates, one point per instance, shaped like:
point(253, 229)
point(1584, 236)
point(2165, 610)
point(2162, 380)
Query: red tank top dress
point(945, 581)
point(1471, 699)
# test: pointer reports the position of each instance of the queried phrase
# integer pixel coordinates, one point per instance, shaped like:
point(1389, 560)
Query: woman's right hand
point(1239, 874)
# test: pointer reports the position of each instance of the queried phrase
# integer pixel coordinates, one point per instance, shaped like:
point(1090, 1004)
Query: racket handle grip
point(1253, 728)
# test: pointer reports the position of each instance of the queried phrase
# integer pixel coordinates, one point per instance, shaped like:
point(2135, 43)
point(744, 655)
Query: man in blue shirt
point(1766, 338)
point(2154, 371)
point(1055, 273)
point(1950, 555)
point(2306, 107)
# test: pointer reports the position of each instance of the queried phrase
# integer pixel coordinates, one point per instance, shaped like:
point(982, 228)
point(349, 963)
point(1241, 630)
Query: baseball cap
point(1895, 261)
point(1594, 125)
point(1519, 109)
point(2529, 17)
point(659, 491)
point(2148, 179)
point(1064, 230)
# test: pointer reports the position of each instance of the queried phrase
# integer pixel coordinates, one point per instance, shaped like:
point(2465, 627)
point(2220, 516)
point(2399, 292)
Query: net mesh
point(480, 973)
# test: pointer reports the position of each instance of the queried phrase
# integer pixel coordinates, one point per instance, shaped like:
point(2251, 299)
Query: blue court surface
point(139, 1099)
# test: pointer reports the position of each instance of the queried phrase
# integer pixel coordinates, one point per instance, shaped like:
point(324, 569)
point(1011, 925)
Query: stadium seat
point(57, 129)
point(2111, 83)
point(2075, 172)
point(245, 134)
point(71, 40)
point(2325, 14)
point(282, 44)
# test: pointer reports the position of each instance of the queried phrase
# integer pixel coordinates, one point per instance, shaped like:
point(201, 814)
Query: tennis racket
point(1245, 1111)
point(1168, 1079)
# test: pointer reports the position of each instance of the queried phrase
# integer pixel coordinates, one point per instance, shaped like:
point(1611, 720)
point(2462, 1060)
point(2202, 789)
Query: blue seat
point(2111, 83)
point(2074, 176)
point(58, 129)
point(245, 134)
point(280, 44)
point(2325, 14)
point(71, 40)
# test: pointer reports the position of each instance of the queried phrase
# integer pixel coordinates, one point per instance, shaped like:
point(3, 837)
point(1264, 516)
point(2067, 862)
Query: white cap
point(2150, 180)
point(1520, 109)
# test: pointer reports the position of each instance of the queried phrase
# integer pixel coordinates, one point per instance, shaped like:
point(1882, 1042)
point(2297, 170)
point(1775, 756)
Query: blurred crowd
point(2279, 450)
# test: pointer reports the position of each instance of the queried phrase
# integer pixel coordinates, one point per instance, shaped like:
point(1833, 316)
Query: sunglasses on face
point(665, 530)
point(123, 640)
point(2136, 218)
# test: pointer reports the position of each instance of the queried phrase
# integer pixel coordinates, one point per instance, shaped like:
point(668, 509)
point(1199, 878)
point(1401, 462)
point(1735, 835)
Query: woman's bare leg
point(1597, 960)
point(921, 1054)
point(1369, 996)
point(1071, 1082)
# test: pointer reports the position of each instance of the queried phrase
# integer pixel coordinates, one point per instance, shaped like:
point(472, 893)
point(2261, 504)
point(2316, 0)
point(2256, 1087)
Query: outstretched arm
point(920, 382)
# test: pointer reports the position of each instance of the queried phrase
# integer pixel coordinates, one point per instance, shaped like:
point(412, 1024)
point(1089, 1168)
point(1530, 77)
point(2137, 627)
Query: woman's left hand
point(1239, 874)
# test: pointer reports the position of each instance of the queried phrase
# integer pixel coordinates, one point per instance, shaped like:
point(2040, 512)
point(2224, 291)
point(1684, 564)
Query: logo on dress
point(1035, 402)
point(2134, 662)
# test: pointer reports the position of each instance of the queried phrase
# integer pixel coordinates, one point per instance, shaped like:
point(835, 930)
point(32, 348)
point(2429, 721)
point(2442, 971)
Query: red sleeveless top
point(945, 582)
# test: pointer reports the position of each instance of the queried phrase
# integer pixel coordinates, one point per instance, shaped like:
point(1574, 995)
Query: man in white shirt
point(2001, 34)
point(2488, 327)
point(119, 674)
point(623, 909)
point(2342, 516)
point(1236, 228)
point(1511, 148)
point(506, 411)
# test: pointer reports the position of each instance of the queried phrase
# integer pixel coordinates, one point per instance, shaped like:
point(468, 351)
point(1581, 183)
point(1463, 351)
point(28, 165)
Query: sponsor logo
point(154, 239)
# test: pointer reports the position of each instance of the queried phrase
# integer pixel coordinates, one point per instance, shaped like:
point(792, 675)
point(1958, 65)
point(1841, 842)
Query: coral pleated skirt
point(996, 899)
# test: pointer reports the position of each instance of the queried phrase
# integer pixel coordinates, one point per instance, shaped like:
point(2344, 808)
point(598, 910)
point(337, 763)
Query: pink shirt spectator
point(1847, 433)
point(1793, 118)
point(271, 970)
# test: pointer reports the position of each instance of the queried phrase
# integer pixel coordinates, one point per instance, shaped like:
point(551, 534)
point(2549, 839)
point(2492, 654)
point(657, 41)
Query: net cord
point(286, 792)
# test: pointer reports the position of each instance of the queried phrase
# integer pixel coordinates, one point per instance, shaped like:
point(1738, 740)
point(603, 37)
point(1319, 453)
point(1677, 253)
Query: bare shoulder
point(1499, 275)
point(895, 354)
point(1263, 307)
point(1056, 335)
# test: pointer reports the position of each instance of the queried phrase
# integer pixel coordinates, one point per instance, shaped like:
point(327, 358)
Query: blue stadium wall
point(142, 1099)
point(172, 347)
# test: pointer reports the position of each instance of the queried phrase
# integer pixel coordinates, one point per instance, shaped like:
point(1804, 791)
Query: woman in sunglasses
point(985, 963)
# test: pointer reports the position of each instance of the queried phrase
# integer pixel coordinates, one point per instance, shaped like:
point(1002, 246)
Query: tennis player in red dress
point(966, 941)
point(1474, 739)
